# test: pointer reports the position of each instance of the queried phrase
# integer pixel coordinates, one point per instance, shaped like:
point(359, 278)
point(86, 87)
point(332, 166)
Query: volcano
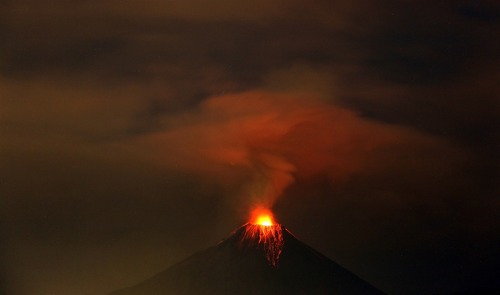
point(255, 259)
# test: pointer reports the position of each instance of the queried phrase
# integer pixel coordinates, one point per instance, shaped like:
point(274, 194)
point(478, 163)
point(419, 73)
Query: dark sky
point(134, 133)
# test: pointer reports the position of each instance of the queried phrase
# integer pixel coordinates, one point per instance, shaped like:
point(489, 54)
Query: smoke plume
point(268, 140)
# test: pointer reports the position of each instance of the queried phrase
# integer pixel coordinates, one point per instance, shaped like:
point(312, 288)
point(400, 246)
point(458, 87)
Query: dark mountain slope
point(238, 265)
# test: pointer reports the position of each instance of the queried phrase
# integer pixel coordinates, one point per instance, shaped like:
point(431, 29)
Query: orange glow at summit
point(263, 217)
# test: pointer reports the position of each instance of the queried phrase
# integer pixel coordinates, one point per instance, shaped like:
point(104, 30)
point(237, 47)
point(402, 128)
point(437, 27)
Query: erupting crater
point(264, 233)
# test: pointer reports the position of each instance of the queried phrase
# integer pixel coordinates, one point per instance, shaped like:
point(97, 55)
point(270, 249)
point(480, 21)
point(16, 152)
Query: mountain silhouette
point(241, 264)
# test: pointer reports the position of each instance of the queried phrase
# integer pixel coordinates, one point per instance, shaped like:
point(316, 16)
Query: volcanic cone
point(255, 259)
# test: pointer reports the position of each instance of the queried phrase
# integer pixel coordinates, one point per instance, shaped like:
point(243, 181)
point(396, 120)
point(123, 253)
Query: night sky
point(135, 133)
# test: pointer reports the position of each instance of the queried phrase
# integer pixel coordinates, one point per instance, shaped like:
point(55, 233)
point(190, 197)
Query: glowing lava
point(266, 233)
point(262, 217)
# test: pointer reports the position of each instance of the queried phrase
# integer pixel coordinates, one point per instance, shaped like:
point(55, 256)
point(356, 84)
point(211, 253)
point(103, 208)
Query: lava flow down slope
point(261, 257)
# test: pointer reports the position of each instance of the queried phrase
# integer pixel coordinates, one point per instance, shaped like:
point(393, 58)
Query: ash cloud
point(276, 138)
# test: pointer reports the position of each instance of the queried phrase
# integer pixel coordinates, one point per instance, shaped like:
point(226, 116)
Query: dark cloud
point(134, 132)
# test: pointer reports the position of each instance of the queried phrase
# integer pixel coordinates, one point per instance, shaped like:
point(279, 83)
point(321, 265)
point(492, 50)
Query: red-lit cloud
point(274, 139)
